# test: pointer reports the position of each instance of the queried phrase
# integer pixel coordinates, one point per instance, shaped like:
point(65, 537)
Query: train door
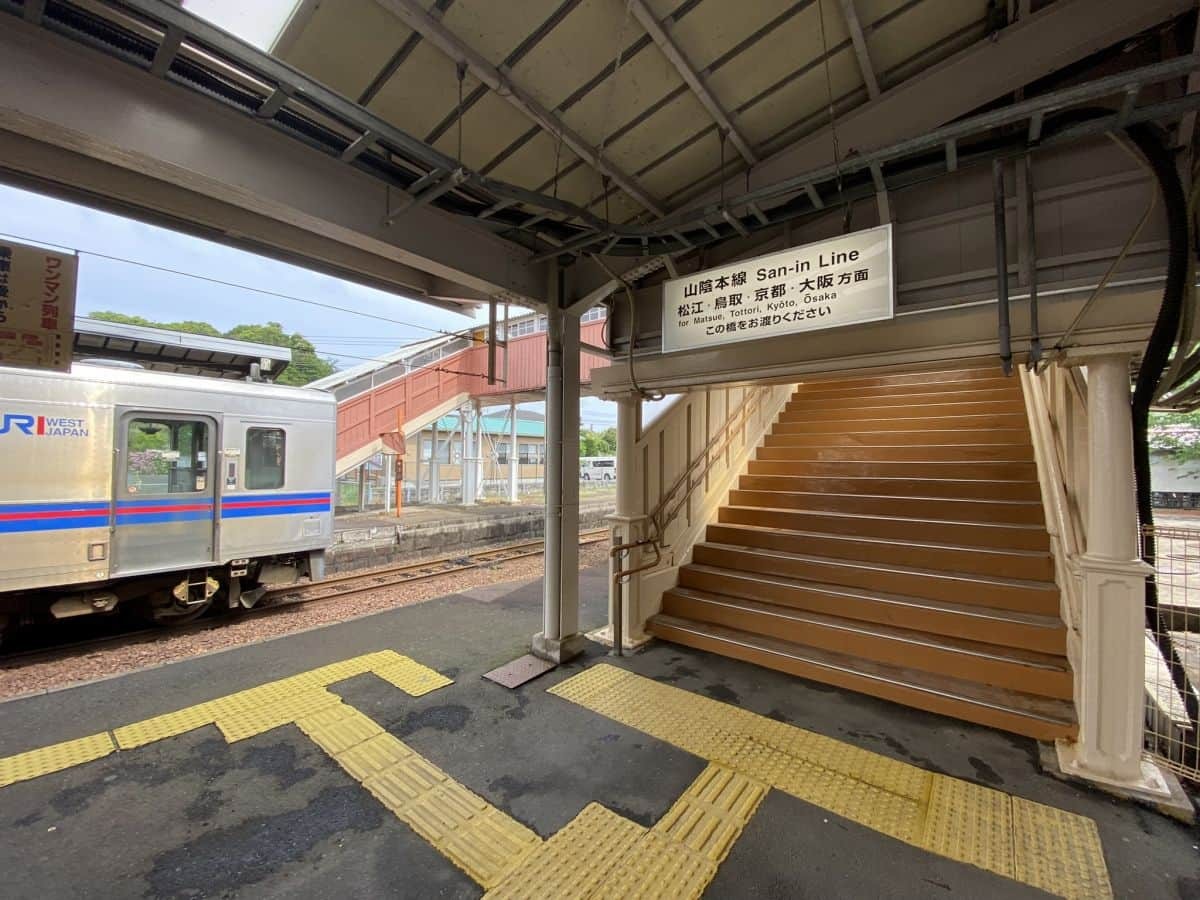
point(164, 492)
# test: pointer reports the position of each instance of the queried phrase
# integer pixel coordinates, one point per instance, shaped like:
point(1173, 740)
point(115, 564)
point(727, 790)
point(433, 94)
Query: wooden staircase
point(889, 539)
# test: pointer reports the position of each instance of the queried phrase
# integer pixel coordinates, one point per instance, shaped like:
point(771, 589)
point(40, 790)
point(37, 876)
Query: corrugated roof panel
point(686, 166)
point(679, 119)
point(495, 29)
point(641, 83)
point(792, 46)
point(802, 97)
point(488, 127)
point(345, 44)
point(714, 28)
point(418, 96)
point(583, 44)
point(914, 30)
point(533, 162)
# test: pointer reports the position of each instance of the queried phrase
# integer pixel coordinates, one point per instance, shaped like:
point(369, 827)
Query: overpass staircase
point(889, 538)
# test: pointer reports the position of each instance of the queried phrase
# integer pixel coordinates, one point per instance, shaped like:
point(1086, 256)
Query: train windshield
point(166, 457)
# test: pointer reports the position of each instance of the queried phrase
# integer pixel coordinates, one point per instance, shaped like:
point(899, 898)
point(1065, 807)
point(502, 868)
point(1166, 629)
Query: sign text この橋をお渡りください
point(843, 281)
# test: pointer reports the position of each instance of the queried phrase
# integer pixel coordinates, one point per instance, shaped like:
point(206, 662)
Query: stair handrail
point(1066, 538)
point(663, 513)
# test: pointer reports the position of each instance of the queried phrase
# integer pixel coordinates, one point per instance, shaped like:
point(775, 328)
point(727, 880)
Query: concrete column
point(417, 466)
point(479, 452)
point(466, 466)
point(1110, 681)
point(514, 468)
point(627, 525)
point(435, 481)
point(559, 639)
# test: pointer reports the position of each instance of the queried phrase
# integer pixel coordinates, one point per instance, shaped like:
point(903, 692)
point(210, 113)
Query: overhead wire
point(231, 284)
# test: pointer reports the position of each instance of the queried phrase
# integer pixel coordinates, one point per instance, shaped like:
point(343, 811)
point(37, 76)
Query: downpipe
point(1004, 329)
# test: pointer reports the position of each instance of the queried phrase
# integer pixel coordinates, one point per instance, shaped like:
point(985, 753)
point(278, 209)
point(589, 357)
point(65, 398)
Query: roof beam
point(413, 14)
point(197, 166)
point(860, 48)
point(675, 56)
point(1046, 41)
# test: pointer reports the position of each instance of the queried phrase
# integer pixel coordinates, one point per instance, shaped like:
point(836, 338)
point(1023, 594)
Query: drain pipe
point(1005, 329)
point(1035, 339)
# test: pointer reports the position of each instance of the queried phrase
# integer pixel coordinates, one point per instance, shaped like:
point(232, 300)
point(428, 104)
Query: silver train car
point(120, 486)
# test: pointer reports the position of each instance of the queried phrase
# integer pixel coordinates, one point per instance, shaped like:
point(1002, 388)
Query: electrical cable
point(231, 284)
point(644, 394)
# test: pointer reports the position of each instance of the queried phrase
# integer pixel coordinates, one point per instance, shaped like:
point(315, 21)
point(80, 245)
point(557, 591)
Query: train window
point(168, 457)
point(265, 451)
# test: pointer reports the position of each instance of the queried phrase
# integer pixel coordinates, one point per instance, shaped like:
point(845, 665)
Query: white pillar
point(627, 524)
point(1111, 688)
point(466, 467)
point(435, 479)
point(417, 466)
point(559, 639)
point(514, 469)
point(478, 464)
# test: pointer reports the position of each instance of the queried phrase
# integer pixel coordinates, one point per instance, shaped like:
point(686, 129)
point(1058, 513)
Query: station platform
point(362, 540)
point(370, 757)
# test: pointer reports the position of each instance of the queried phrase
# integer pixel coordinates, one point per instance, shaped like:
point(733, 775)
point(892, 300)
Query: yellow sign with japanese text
point(37, 306)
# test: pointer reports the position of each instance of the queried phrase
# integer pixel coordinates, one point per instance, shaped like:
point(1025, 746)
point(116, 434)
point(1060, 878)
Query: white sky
point(257, 22)
point(136, 290)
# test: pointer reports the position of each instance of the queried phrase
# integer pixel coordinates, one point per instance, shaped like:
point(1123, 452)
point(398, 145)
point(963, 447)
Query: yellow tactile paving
point(660, 868)
point(169, 725)
point(54, 758)
point(1037, 844)
point(338, 728)
point(1058, 851)
point(411, 677)
point(572, 863)
point(971, 824)
point(711, 814)
point(241, 724)
point(481, 840)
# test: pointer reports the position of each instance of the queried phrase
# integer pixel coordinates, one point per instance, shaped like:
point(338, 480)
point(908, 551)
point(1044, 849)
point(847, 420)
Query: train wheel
point(167, 609)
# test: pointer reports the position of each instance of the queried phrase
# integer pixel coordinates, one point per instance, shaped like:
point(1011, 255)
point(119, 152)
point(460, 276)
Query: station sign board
point(37, 306)
point(846, 280)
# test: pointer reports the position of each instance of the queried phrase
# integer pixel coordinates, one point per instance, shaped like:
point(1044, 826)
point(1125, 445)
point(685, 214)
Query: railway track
point(281, 599)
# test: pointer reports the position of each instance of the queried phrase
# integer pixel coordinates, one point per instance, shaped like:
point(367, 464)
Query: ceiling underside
point(770, 66)
point(608, 126)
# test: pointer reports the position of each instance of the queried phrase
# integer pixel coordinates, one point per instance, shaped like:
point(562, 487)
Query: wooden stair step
point(1014, 438)
point(974, 534)
point(983, 375)
point(1016, 512)
point(906, 552)
point(1013, 470)
point(816, 423)
point(959, 453)
point(1016, 669)
point(974, 489)
point(1026, 714)
point(878, 404)
point(962, 599)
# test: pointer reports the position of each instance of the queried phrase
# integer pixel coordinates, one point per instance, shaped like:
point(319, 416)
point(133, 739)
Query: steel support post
point(417, 467)
point(624, 598)
point(1111, 690)
point(478, 464)
point(559, 639)
point(514, 466)
point(466, 465)
point(435, 474)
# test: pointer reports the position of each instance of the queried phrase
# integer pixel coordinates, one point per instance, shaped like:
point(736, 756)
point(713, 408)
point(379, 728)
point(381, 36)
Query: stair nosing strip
point(970, 701)
point(770, 609)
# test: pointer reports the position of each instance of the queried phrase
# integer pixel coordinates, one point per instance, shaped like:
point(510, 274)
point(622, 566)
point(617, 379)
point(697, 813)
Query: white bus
point(598, 468)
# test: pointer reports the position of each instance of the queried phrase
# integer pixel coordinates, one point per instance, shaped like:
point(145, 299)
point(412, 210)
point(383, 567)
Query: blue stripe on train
point(22, 517)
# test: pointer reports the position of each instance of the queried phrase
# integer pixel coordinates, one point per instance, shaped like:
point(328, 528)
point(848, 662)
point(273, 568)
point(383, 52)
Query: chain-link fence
point(1173, 654)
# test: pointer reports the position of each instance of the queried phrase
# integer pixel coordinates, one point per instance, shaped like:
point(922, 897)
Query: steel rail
point(297, 595)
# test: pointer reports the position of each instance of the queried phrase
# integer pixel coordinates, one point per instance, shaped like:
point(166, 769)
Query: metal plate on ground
point(519, 671)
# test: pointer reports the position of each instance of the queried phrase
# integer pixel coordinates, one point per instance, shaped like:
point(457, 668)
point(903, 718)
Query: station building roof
point(500, 426)
point(161, 350)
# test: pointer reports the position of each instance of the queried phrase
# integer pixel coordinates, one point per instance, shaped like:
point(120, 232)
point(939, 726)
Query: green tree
point(306, 365)
point(598, 443)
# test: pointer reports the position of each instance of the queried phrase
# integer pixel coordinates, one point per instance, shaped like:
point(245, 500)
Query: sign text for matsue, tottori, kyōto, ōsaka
point(842, 281)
